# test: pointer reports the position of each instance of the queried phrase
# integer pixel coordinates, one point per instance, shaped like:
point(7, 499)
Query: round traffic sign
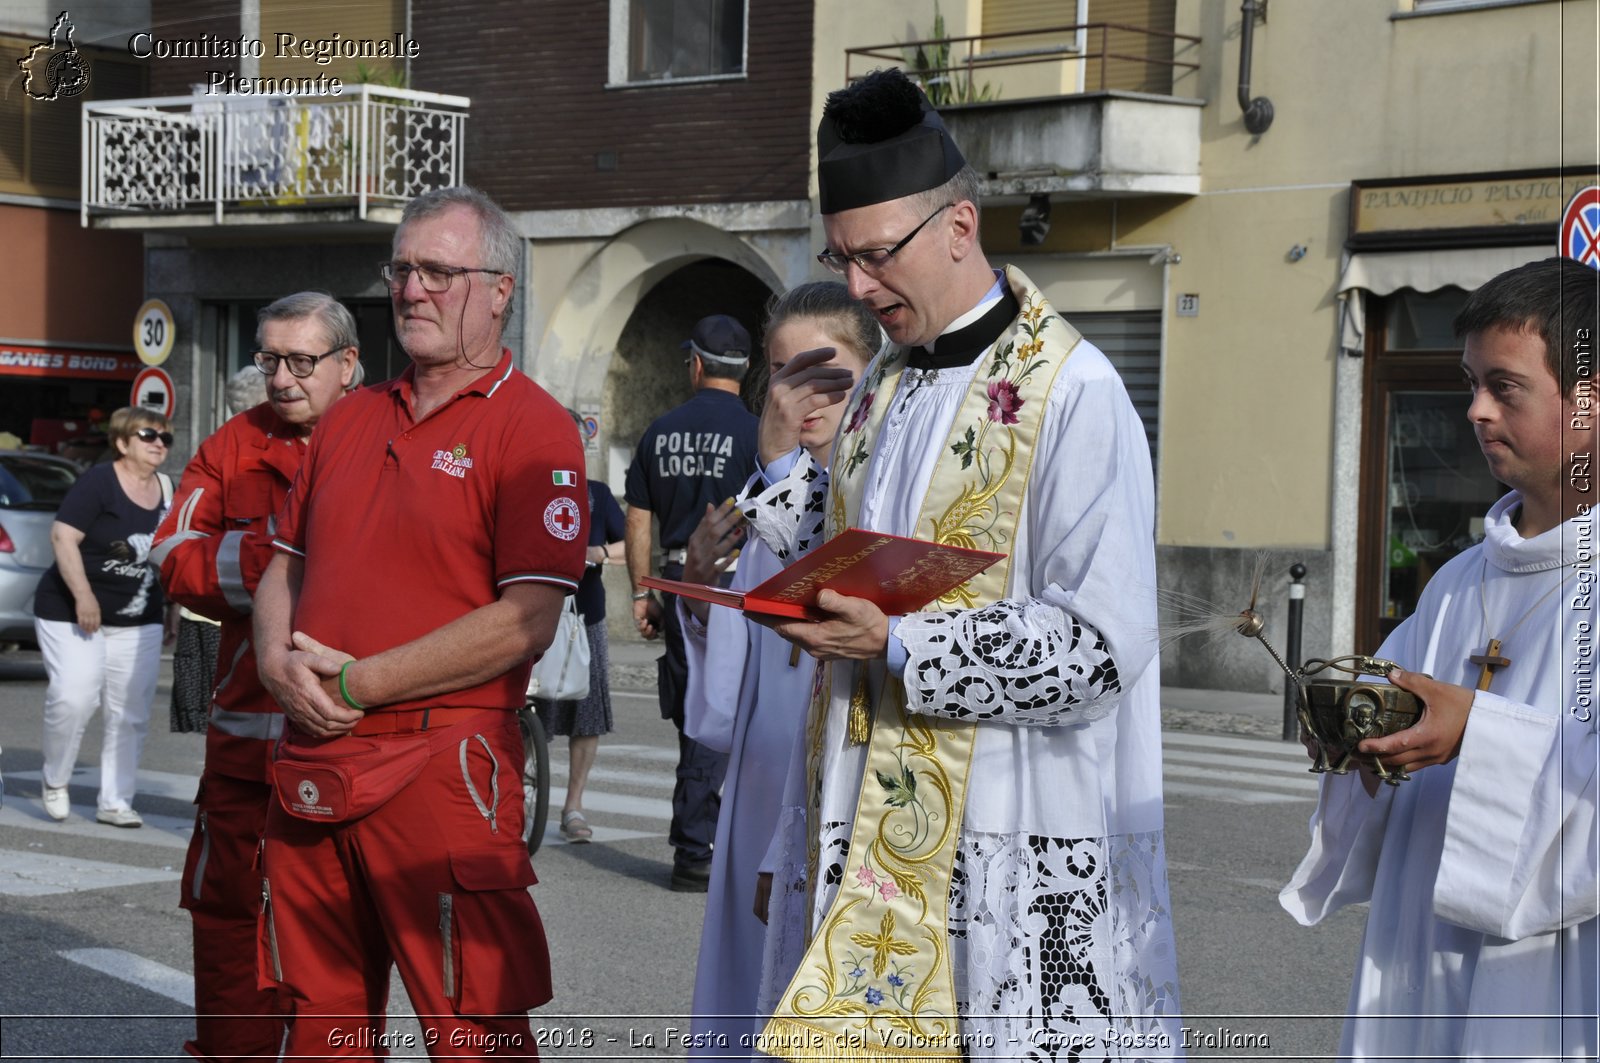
point(152, 332)
point(152, 389)
point(1580, 227)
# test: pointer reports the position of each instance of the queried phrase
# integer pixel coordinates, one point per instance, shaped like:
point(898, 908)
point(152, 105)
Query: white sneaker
point(119, 817)
point(56, 803)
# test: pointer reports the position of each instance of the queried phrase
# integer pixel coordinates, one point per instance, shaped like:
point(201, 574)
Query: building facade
point(1264, 213)
point(1277, 295)
point(67, 308)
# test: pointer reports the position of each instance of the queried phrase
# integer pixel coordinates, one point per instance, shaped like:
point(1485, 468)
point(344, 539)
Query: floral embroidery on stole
point(875, 983)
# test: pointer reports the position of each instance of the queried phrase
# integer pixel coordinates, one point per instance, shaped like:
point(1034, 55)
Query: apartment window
point(676, 40)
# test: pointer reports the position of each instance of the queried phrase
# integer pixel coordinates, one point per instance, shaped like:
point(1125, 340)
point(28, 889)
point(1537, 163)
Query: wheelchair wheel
point(535, 779)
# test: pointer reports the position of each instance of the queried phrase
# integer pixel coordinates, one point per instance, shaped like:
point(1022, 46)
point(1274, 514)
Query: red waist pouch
point(340, 780)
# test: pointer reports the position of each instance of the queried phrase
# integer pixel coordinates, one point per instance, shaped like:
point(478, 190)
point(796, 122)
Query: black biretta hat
point(880, 139)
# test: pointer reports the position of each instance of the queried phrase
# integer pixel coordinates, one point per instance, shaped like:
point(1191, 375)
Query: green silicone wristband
point(344, 691)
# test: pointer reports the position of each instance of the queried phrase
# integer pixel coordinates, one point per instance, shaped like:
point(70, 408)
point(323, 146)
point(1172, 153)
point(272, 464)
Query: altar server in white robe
point(1480, 870)
point(748, 688)
point(983, 778)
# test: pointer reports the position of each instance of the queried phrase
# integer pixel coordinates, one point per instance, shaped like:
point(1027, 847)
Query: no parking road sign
point(152, 389)
point(1580, 227)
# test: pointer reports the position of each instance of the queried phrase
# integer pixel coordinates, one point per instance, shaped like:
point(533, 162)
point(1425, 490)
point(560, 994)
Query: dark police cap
point(719, 338)
point(880, 139)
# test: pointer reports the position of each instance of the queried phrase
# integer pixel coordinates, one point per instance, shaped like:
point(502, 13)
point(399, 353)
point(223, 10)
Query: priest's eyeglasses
point(433, 278)
point(875, 259)
point(300, 365)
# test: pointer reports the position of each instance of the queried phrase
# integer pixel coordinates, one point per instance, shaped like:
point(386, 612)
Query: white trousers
point(117, 668)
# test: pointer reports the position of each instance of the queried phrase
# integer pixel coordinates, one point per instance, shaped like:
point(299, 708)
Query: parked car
point(31, 489)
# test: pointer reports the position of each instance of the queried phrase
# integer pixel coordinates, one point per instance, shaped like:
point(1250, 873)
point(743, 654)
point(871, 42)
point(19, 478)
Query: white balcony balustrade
point(184, 161)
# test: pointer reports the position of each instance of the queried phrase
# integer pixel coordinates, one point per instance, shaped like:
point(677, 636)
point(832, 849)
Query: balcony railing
point(1032, 63)
point(368, 149)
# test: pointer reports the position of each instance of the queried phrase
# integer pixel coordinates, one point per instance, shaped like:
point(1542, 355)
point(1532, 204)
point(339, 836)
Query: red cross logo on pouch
point(561, 519)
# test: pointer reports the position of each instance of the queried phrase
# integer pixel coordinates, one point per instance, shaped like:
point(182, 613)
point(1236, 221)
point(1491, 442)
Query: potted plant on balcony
point(385, 174)
point(930, 67)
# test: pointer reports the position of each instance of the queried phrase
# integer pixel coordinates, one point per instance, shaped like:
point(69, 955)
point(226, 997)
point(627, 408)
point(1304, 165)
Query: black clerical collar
point(963, 346)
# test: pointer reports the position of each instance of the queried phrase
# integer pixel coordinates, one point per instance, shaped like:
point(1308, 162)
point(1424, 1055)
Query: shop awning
point(1386, 272)
point(64, 363)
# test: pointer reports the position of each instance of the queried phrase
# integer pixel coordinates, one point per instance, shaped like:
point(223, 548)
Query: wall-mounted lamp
point(1034, 224)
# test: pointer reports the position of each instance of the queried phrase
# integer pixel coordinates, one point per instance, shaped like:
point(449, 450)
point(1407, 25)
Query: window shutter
point(317, 20)
point(1131, 75)
point(1132, 342)
point(40, 139)
point(13, 129)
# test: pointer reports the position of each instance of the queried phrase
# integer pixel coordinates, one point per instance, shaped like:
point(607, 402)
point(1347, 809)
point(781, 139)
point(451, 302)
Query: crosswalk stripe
point(36, 874)
point(601, 834)
point(635, 752)
point(150, 783)
point(1306, 790)
point(1264, 746)
point(169, 832)
point(1203, 758)
point(1231, 795)
point(622, 805)
point(128, 967)
point(648, 780)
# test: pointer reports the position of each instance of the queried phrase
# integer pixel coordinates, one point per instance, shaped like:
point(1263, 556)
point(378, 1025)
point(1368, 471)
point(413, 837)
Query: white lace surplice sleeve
point(1066, 653)
point(1520, 843)
point(787, 515)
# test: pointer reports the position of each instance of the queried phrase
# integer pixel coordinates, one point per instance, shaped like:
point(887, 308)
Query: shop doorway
point(1424, 485)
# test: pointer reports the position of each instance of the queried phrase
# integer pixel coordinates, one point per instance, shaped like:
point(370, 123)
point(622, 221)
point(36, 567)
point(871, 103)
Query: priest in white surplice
point(1480, 870)
point(988, 873)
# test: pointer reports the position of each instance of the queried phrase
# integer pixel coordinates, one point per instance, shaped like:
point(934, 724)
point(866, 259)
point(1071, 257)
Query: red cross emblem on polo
point(561, 519)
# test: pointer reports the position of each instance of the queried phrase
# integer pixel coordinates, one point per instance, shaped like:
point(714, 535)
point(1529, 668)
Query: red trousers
point(235, 1016)
point(436, 881)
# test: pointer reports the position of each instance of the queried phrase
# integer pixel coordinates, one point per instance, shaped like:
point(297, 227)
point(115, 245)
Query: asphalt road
point(94, 952)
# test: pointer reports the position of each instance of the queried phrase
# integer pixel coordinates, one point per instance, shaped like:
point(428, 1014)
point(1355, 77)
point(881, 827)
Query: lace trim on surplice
point(1016, 661)
point(1062, 947)
point(787, 516)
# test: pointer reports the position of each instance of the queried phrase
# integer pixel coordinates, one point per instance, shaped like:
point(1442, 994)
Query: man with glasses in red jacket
point(211, 549)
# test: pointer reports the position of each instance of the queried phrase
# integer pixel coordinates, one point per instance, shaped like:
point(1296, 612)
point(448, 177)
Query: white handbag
point(562, 674)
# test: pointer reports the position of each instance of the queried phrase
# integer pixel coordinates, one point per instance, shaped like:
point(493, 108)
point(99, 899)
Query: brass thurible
point(1337, 714)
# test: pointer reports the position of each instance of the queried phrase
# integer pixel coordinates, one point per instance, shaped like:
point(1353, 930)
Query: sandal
point(574, 827)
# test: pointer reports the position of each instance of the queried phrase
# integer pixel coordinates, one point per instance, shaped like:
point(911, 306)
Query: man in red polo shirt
point(211, 550)
point(424, 553)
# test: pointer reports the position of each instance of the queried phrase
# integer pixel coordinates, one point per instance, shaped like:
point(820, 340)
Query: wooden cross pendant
point(1489, 660)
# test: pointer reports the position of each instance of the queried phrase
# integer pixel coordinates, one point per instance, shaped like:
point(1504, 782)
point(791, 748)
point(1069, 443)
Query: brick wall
point(542, 117)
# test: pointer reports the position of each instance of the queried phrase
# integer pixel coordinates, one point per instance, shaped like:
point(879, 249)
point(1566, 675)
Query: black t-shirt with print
point(116, 549)
point(605, 526)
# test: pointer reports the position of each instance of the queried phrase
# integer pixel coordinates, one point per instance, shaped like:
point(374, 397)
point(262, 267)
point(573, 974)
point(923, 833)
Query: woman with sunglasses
point(98, 615)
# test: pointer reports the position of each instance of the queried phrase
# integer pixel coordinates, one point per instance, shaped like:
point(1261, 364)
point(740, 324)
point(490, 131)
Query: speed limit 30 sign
point(152, 332)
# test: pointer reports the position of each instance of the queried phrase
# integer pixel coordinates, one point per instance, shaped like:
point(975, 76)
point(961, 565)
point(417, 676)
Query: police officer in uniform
point(698, 454)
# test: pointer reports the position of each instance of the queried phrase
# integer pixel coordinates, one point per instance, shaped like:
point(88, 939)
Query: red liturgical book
point(900, 575)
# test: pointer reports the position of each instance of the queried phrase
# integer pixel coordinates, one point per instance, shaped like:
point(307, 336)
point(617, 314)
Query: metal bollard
point(1291, 691)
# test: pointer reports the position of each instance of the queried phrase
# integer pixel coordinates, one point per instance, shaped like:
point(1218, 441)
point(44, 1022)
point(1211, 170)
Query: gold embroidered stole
point(876, 983)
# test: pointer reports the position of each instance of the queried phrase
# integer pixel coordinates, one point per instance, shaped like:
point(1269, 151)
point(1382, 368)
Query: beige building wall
point(1358, 94)
point(1260, 411)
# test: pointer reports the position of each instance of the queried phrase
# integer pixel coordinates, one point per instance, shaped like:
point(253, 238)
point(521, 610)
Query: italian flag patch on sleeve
point(563, 478)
